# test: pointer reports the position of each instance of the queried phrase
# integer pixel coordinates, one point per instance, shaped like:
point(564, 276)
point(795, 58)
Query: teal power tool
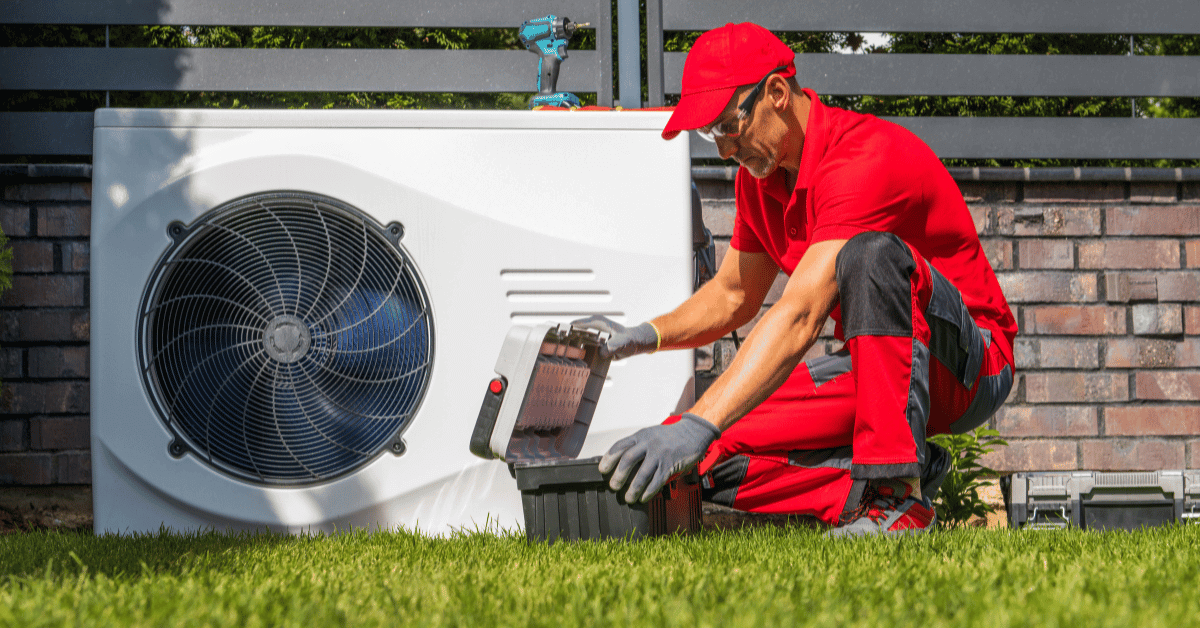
point(547, 37)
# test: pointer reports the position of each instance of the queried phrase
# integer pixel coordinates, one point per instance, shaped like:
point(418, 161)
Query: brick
point(1031, 353)
point(703, 358)
point(718, 216)
point(1167, 385)
point(33, 257)
point(1192, 250)
point(1074, 192)
point(1048, 221)
point(1128, 287)
point(776, 291)
point(1129, 254)
point(1191, 320)
point(1088, 320)
point(1141, 220)
point(715, 188)
point(1194, 459)
point(999, 253)
point(58, 362)
point(1152, 420)
point(1024, 421)
point(50, 397)
point(64, 221)
point(46, 291)
point(13, 435)
point(1122, 454)
point(62, 191)
point(12, 363)
point(821, 349)
point(76, 257)
point(14, 219)
point(1190, 191)
point(1152, 192)
point(57, 433)
point(1075, 387)
point(25, 469)
point(41, 325)
point(1033, 455)
point(982, 217)
point(73, 467)
point(1046, 254)
point(1157, 320)
point(1140, 353)
point(989, 191)
point(721, 248)
point(1041, 287)
point(1178, 286)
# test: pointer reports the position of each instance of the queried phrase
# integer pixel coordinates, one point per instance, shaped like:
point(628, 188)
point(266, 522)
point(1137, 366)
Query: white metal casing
point(510, 217)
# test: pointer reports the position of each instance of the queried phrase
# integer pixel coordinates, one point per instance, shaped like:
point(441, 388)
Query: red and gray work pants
point(914, 364)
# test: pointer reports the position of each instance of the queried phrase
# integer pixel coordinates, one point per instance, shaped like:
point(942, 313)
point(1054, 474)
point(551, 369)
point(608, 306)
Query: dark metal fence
point(192, 69)
point(592, 71)
point(975, 75)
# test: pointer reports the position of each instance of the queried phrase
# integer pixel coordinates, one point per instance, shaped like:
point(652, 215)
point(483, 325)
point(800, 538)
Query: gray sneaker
point(887, 508)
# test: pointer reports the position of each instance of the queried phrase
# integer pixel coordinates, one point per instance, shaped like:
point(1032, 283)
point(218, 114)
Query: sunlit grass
point(763, 576)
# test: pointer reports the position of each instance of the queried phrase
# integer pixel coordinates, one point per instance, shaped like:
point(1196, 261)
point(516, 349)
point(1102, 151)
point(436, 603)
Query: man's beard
point(759, 166)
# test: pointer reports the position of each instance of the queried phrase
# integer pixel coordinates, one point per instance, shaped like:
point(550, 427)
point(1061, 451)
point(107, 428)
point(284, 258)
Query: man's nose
point(726, 147)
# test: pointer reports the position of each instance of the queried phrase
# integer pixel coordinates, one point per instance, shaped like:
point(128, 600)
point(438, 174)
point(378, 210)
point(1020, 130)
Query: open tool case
point(536, 414)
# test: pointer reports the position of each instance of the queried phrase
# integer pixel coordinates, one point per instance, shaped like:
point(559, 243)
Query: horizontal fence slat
point(1045, 138)
point(45, 133)
point(947, 16)
point(307, 70)
point(985, 75)
point(381, 13)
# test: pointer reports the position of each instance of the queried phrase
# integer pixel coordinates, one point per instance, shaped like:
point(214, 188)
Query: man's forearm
point(706, 316)
point(779, 341)
point(767, 357)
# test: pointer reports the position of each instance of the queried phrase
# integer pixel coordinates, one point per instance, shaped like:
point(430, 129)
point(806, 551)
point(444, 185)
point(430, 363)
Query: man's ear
point(779, 92)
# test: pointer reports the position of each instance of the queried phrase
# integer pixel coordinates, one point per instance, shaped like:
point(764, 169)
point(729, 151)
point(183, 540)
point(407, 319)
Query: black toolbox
point(1101, 500)
point(535, 416)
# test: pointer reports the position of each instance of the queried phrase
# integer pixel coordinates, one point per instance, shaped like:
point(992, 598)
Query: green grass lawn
point(763, 576)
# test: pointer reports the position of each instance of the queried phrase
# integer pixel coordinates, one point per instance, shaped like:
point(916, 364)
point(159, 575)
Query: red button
point(792, 232)
point(496, 386)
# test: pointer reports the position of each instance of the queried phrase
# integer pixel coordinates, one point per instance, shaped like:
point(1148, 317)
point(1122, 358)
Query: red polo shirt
point(859, 173)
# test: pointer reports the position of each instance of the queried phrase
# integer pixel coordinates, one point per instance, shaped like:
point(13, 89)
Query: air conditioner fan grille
point(285, 338)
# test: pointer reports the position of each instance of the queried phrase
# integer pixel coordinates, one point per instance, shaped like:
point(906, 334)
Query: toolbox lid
point(540, 404)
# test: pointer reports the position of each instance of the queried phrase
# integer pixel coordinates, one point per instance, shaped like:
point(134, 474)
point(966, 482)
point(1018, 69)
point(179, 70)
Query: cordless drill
point(547, 37)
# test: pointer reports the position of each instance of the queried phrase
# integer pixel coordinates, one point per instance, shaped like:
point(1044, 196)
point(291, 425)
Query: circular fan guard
point(285, 338)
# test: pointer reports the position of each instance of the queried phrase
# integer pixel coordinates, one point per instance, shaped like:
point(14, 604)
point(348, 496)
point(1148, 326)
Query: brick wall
point(1103, 276)
point(44, 328)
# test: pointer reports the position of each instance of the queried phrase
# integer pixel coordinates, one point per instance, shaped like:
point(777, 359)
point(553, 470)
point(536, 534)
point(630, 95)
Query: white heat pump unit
point(295, 314)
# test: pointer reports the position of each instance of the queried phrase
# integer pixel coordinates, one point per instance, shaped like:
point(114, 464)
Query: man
point(871, 230)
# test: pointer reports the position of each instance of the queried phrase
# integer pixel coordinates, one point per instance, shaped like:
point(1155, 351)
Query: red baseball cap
point(721, 61)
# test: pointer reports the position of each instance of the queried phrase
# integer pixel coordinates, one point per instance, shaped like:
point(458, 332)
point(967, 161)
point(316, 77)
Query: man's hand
point(622, 341)
point(657, 453)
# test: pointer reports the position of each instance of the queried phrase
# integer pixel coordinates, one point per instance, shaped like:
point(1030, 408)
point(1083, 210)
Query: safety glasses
point(730, 128)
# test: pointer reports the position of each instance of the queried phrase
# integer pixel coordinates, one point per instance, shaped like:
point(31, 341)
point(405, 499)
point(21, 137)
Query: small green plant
point(959, 500)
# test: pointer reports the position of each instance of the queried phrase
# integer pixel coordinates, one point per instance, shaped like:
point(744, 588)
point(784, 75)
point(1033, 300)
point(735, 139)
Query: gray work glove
point(657, 453)
point(622, 341)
